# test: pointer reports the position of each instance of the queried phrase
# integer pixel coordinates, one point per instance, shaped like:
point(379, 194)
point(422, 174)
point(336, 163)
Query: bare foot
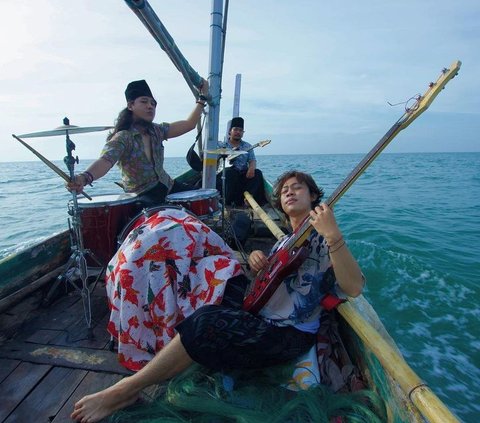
point(93, 408)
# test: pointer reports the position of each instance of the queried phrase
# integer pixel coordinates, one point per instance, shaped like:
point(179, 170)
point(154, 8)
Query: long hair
point(124, 121)
point(302, 177)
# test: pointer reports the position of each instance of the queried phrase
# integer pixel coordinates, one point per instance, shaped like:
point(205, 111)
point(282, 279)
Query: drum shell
point(102, 219)
point(203, 203)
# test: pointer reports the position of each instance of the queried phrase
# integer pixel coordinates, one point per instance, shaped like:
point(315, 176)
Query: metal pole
point(215, 82)
point(236, 97)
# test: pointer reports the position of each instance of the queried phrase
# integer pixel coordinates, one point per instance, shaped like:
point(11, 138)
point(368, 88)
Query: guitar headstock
point(423, 101)
point(263, 143)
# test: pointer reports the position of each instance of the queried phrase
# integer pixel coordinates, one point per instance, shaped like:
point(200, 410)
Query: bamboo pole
point(416, 390)
point(276, 231)
point(429, 405)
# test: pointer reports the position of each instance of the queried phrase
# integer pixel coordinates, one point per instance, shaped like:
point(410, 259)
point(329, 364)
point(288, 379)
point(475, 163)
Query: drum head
point(197, 194)
point(106, 200)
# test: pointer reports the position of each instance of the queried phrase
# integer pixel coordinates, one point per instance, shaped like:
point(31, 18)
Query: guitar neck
point(253, 146)
point(362, 166)
point(305, 228)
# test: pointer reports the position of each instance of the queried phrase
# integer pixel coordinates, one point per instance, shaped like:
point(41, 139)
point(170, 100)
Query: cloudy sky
point(316, 76)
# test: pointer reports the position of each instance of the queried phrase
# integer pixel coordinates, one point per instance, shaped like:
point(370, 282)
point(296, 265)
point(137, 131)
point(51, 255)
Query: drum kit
point(98, 225)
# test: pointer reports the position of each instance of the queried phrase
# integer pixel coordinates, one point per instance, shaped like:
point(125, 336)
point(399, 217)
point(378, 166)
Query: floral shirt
point(138, 173)
point(166, 268)
point(296, 302)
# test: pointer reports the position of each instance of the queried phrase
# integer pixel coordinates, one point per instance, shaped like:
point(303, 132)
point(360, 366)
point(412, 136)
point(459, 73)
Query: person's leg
point(256, 188)
point(222, 338)
point(232, 186)
point(167, 363)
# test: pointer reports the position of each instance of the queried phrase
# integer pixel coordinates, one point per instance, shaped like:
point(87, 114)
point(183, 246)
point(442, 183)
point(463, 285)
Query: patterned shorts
point(223, 337)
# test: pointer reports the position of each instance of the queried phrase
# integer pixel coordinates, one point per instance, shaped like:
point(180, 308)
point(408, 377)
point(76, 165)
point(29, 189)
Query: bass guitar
point(294, 251)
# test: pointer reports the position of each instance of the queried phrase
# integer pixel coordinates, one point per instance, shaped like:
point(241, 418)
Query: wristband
point(338, 248)
point(90, 176)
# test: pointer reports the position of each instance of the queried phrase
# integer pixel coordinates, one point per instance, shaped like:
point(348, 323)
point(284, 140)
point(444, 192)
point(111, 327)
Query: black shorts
point(223, 337)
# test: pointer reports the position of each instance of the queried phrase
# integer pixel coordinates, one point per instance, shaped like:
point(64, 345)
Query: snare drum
point(102, 219)
point(203, 203)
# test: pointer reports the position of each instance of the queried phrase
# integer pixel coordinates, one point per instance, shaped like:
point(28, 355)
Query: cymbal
point(226, 152)
point(64, 129)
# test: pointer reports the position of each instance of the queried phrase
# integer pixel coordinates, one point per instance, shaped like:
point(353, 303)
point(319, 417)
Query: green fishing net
point(200, 396)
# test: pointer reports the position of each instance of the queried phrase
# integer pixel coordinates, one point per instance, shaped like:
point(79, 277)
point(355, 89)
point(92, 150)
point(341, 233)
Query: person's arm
point(181, 127)
point(252, 165)
point(95, 171)
point(347, 271)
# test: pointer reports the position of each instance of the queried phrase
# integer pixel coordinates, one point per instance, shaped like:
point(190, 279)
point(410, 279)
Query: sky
point(317, 77)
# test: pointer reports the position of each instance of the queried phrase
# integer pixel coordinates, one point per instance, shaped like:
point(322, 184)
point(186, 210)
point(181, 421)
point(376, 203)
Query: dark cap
point(237, 122)
point(137, 89)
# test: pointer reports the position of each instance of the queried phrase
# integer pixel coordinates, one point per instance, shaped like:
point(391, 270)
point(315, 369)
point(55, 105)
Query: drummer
point(136, 146)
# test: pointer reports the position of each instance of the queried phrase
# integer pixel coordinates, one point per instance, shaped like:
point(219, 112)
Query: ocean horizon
point(260, 154)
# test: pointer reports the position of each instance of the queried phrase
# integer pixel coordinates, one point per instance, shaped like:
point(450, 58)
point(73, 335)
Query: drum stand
point(76, 268)
point(224, 158)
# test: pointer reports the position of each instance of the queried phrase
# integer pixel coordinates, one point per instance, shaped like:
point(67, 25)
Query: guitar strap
point(329, 302)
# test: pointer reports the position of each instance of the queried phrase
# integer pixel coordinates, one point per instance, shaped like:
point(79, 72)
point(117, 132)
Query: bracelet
point(336, 242)
point(201, 102)
point(88, 177)
point(338, 248)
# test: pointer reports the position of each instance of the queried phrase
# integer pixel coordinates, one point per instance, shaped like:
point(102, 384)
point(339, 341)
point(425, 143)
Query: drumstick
point(55, 168)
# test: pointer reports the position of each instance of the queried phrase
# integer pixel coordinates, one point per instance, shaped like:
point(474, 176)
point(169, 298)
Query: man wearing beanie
point(136, 146)
point(243, 174)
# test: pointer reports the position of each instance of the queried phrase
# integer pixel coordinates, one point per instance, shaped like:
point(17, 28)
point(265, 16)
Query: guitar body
point(280, 265)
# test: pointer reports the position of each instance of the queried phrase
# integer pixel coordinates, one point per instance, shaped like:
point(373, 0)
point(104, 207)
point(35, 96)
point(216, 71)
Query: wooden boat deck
point(47, 362)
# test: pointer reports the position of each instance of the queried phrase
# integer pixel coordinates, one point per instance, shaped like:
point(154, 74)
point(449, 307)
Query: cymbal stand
point(76, 267)
point(223, 177)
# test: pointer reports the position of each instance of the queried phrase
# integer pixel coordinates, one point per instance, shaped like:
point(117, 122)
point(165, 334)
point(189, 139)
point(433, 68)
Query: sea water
point(411, 220)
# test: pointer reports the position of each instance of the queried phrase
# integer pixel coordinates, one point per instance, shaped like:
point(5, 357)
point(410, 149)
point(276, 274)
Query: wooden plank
point(44, 336)
point(41, 258)
point(46, 400)
point(17, 385)
point(93, 382)
point(7, 367)
point(14, 298)
point(77, 335)
point(13, 320)
point(77, 358)
point(65, 314)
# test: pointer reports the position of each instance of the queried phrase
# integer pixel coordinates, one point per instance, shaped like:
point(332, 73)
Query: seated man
point(242, 175)
point(210, 327)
